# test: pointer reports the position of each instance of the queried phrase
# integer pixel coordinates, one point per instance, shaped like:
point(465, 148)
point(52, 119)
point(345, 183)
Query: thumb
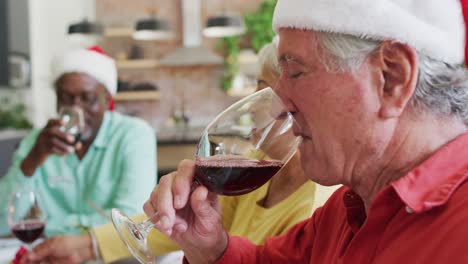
point(78, 145)
point(201, 204)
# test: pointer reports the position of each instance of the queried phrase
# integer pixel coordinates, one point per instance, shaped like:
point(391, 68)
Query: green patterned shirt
point(119, 170)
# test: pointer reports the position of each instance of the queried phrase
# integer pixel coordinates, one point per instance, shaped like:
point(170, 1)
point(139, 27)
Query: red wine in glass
point(234, 175)
point(28, 231)
point(26, 215)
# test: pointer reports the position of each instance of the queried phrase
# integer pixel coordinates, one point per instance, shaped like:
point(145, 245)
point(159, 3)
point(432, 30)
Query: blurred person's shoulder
point(29, 139)
point(32, 134)
point(128, 125)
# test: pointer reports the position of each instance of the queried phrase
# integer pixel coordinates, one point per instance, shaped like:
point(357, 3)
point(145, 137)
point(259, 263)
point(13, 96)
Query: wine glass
point(26, 215)
point(73, 119)
point(239, 151)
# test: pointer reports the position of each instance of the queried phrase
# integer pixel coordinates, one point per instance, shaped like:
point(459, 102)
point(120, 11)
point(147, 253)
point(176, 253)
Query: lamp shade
point(224, 26)
point(85, 27)
point(152, 29)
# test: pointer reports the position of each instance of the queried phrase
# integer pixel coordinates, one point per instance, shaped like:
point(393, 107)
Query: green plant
point(12, 115)
point(259, 33)
point(259, 25)
point(231, 50)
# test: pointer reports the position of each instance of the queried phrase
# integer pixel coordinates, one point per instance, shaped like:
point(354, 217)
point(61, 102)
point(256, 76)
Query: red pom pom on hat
point(98, 50)
point(111, 104)
point(101, 51)
point(19, 254)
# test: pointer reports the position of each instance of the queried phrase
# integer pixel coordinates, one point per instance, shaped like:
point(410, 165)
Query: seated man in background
point(113, 165)
point(256, 215)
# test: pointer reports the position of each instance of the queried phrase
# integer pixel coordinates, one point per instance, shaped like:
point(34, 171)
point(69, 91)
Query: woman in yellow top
point(256, 215)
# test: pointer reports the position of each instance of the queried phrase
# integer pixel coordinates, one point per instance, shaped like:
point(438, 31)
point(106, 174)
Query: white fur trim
point(433, 27)
point(97, 65)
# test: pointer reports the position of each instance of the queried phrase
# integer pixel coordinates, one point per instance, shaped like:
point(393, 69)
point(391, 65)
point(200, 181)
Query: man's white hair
point(442, 88)
point(268, 59)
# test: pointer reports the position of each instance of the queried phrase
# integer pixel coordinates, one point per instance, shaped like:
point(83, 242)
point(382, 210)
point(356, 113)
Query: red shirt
point(420, 218)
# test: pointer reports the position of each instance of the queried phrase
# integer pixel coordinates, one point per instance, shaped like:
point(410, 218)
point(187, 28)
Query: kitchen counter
point(9, 141)
point(174, 145)
point(172, 136)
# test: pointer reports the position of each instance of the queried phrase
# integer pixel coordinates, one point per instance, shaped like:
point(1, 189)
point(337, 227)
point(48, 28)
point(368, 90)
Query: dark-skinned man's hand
point(51, 140)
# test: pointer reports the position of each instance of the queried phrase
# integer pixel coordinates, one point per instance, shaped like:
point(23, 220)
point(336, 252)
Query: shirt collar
point(432, 183)
point(101, 139)
point(355, 210)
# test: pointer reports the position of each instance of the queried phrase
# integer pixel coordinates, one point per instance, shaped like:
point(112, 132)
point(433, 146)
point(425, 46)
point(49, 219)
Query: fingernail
point(177, 201)
point(168, 232)
point(70, 138)
point(164, 222)
point(70, 149)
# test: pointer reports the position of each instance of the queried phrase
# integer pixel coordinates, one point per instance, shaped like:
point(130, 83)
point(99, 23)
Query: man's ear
point(399, 71)
point(107, 96)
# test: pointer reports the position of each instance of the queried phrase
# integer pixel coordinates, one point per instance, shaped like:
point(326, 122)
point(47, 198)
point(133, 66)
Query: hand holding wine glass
point(193, 220)
point(58, 137)
point(26, 215)
point(239, 151)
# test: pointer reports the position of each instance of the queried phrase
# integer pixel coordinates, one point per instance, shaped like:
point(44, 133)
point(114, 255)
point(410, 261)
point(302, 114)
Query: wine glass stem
point(147, 225)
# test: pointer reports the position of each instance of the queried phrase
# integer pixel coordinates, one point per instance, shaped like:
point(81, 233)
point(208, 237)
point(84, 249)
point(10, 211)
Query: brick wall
point(198, 85)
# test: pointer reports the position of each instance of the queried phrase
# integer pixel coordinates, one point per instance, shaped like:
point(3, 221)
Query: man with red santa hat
point(112, 166)
point(380, 94)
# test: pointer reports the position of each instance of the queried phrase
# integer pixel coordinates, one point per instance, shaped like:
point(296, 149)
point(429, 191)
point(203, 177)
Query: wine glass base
point(132, 237)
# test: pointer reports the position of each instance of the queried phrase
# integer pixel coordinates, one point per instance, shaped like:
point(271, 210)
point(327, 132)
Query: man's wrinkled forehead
point(296, 45)
point(77, 81)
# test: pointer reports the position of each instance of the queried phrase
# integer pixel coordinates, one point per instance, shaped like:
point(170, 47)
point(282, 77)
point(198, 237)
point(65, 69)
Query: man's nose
point(77, 101)
point(281, 89)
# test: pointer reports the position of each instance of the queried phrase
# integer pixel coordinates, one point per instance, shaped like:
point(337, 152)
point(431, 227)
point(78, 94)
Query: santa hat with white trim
point(92, 61)
point(435, 28)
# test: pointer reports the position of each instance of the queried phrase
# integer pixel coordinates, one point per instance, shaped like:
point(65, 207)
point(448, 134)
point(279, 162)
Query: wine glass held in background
point(73, 121)
point(239, 151)
point(246, 145)
point(26, 215)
